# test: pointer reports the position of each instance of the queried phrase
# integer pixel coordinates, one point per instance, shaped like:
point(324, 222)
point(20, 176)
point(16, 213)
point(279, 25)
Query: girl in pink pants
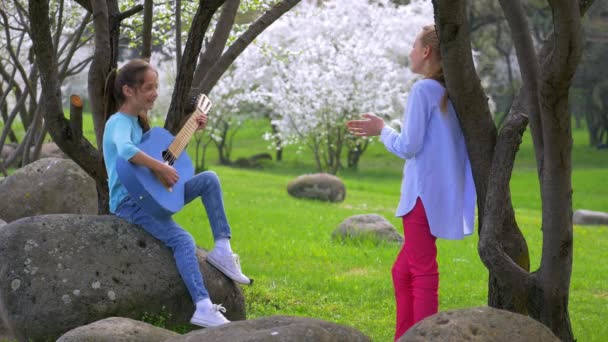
point(437, 191)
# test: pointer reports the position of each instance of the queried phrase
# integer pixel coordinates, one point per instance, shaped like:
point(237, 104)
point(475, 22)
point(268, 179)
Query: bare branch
point(524, 48)
point(181, 91)
point(82, 152)
point(243, 41)
point(75, 39)
point(14, 56)
point(76, 69)
point(214, 49)
point(126, 14)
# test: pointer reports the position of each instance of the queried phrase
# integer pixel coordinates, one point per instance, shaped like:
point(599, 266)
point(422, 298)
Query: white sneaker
point(210, 317)
point(228, 264)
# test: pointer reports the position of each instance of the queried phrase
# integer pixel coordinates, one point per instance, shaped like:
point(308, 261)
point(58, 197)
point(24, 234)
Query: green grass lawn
point(285, 243)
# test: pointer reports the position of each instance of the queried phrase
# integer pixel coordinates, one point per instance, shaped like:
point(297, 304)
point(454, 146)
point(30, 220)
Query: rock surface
point(65, 271)
point(318, 186)
point(478, 324)
point(276, 328)
point(47, 186)
point(588, 217)
point(367, 226)
point(118, 329)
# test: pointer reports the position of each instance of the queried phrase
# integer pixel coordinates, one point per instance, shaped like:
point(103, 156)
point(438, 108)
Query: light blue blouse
point(437, 167)
point(120, 137)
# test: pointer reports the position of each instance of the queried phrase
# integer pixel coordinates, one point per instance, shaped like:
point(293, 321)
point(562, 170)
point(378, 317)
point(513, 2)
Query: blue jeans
point(205, 185)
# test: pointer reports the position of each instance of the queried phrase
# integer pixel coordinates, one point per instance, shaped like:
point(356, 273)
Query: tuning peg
point(190, 106)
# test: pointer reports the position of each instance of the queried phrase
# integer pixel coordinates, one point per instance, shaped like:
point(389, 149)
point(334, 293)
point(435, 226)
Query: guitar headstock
point(203, 104)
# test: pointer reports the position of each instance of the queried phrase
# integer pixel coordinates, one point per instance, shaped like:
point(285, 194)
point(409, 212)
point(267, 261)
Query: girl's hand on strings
point(166, 173)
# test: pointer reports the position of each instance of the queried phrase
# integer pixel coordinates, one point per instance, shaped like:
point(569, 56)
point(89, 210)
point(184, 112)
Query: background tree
point(107, 18)
point(19, 76)
point(328, 71)
point(543, 99)
point(590, 100)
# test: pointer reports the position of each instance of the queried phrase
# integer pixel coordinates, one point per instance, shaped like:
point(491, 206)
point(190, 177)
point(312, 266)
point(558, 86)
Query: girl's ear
point(127, 91)
point(427, 52)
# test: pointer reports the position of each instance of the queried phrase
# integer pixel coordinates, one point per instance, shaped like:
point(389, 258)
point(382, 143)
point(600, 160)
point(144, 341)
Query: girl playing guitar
point(134, 88)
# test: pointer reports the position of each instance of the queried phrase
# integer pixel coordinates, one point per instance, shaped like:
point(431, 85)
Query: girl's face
point(418, 56)
point(143, 97)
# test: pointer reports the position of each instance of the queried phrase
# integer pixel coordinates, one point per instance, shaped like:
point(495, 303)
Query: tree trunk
point(479, 131)
point(178, 33)
point(147, 41)
point(79, 150)
point(544, 292)
point(183, 81)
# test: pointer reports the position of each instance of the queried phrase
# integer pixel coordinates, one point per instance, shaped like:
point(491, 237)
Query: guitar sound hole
point(168, 157)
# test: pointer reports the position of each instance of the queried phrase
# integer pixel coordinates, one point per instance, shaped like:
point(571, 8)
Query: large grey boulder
point(276, 328)
point(318, 186)
point(47, 186)
point(49, 150)
point(118, 329)
point(479, 324)
point(588, 217)
point(7, 151)
point(367, 226)
point(59, 272)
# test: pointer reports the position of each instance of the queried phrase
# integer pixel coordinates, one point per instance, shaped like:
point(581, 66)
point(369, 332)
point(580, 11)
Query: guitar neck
point(183, 137)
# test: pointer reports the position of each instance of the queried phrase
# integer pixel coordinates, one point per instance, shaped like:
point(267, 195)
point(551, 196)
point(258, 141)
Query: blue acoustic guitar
point(144, 187)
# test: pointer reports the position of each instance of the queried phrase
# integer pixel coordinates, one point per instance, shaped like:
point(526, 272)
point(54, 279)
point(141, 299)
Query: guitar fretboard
point(183, 137)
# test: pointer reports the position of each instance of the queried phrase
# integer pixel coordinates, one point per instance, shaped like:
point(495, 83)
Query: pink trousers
point(415, 272)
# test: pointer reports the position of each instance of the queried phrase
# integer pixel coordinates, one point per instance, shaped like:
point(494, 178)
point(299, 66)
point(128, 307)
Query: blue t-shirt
point(120, 137)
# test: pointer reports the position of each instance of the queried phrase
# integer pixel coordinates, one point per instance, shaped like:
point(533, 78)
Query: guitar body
point(143, 185)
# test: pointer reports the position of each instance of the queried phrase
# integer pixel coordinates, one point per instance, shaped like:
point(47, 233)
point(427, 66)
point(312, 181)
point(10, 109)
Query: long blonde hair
point(429, 38)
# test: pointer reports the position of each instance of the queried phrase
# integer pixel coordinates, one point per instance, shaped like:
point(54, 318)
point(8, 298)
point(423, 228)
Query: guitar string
point(184, 135)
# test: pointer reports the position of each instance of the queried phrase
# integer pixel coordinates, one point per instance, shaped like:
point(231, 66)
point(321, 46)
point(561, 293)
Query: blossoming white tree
point(337, 60)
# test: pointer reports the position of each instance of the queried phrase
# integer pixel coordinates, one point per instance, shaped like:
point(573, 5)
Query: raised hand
point(370, 125)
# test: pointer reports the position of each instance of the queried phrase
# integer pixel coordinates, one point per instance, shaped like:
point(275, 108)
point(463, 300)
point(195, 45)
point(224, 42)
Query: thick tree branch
point(86, 4)
point(147, 41)
point(101, 64)
point(524, 48)
point(82, 152)
point(131, 11)
point(242, 42)
point(178, 33)
point(214, 49)
point(490, 248)
point(181, 91)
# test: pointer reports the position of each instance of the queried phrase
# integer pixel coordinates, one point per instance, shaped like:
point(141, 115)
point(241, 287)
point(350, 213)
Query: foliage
point(19, 93)
point(163, 30)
